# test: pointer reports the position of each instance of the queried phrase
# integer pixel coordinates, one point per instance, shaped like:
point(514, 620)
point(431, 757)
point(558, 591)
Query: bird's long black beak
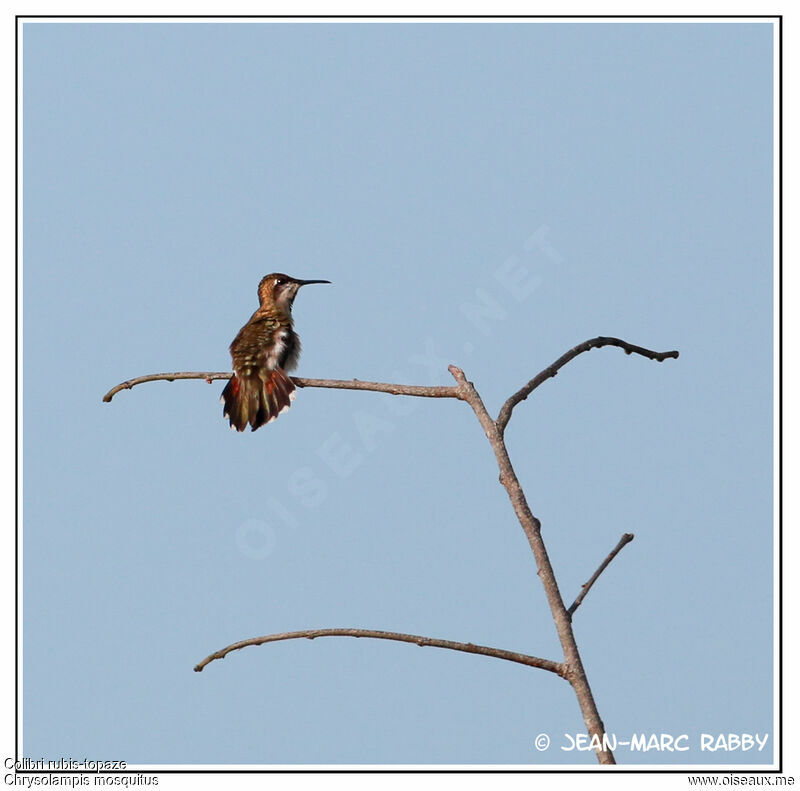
point(309, 282)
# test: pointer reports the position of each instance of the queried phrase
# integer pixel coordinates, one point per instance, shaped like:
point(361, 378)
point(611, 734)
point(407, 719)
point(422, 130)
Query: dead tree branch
point(626, 539)
point(532, 527)
point(498, 653)
point(335, 384)
point(552, 370)
point(572, 667)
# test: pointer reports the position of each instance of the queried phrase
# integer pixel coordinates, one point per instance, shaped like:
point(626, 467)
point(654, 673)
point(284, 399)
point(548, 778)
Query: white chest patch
point(277, 350)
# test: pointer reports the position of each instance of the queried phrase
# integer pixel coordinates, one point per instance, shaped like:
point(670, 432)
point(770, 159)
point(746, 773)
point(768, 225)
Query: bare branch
point(626, 539)
point(129, 383)
point(420, 391)
point(337, 384)
point(572, 667)
point(576, 675)
point(552, 370)
point(511, 656)
point(410, 390)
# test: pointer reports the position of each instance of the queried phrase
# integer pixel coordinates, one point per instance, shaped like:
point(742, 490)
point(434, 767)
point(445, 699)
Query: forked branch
point(498, 653)
point(411, 390)
point(572, 667)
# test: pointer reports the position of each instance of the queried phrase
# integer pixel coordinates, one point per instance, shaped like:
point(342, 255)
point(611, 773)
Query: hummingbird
point(263, 351)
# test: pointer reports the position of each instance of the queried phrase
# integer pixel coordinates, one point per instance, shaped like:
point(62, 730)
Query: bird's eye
point(280, 282)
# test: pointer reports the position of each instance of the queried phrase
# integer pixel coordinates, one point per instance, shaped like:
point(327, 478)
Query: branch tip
point(457, 373)
point(626, 539)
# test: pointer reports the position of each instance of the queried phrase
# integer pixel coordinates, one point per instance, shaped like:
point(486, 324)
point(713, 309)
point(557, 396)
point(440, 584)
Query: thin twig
point(129, 383)
point(626, 539)
point(552, 370)
point(338, 384)
point(511, 656)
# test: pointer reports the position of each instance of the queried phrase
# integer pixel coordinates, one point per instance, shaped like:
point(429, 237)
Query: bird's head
point(280, 290)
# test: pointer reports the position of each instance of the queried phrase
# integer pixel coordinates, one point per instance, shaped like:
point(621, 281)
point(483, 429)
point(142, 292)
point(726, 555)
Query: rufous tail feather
point(250, 399)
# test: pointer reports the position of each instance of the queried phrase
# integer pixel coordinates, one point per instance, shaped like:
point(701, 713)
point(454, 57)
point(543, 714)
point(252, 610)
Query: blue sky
point(168, 167)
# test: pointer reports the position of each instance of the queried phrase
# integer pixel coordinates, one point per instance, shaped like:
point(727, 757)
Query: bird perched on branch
point(263, 351)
